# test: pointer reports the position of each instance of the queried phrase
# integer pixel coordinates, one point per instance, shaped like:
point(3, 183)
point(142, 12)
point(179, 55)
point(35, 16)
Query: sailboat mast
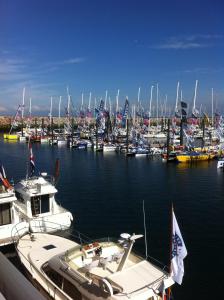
point(105, 102)
point(212, 107)
point(90, 96)
point(157, 105)
point(138, 108)
point(82, 101)
point(23, 102)
point(117, 100)
point(177, 97)
point(195, 95)
point(59, 112)
point(51, 111)
point(150, 104)
point(30, 108)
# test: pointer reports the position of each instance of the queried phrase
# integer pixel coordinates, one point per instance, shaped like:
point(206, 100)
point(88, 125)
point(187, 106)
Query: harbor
point(114, 204)
point(111, 150)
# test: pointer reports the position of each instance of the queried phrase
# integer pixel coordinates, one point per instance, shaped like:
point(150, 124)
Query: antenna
point(146, 248)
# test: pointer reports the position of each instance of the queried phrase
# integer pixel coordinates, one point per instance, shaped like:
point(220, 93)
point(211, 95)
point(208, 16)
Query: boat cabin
point(36, 195)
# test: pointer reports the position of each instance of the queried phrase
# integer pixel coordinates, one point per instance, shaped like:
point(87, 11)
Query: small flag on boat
point(3, 178)
point(32, 164)
point(179, 252)
point(183, 104)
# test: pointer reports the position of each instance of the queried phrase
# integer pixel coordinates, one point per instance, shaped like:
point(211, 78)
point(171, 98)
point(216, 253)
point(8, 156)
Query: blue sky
point(109, 45)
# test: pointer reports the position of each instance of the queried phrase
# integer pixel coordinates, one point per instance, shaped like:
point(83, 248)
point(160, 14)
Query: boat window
point(19, 197)
point(71, 290)
point(44, 203)
point(35, 205)
point(40, 204)
point(5, 216)
point(53, 275)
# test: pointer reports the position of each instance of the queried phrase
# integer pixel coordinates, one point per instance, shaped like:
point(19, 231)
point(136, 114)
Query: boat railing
point(38, 226)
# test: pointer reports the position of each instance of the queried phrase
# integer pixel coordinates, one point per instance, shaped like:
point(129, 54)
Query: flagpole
point(171, 236)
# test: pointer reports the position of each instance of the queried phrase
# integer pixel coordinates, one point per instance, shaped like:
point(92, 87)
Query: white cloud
point(189, 42)
point(75, 60)
point(180, 45)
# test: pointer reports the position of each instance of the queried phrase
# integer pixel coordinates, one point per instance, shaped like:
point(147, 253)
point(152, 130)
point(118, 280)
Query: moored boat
point(194, 156)
point(36, 203)
point(94, 270)
point(9, 216)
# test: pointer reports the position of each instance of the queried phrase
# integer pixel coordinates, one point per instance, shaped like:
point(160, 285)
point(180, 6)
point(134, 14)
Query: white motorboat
point(36, 203)
point(220, 164)
point(9, 216)
point(104, 269)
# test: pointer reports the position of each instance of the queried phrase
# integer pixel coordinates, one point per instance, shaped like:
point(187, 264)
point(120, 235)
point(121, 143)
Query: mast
point(110, 107)
point(139, 89)
point(177, 97)
point(195, 95)
point(90, 96)
point(23, 102)
point(82, 102)
point(59, 112)
point(212, 107)
point(50, 114)
point(105, 102)
point(30, 108)
point(168, 140)
point(23, 105)
point(157, 105)
point(150, 105)
point(117, 101)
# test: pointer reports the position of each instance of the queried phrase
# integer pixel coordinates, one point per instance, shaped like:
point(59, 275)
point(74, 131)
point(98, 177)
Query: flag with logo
point(179, 252)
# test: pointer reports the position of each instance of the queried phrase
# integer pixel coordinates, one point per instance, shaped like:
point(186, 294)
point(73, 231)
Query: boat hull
point(10, 136)
point(192, 158)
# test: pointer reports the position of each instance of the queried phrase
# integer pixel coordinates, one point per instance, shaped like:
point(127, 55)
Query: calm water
point(105, 194)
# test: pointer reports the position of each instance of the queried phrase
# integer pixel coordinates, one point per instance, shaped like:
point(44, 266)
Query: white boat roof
point(35, 186)
point(43, 247)
point(142, 277)
point(7, 196)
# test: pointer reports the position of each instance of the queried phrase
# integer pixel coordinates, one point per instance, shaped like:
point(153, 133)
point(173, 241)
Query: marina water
point(105, 193)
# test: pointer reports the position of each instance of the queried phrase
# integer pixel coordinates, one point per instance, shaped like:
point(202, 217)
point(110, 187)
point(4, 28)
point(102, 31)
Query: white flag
point(179, 252)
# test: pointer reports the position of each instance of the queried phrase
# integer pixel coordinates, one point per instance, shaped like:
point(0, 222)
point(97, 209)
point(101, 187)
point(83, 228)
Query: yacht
point(9, 216)
point(94, 270)
point(36, 203)
point(109, 147)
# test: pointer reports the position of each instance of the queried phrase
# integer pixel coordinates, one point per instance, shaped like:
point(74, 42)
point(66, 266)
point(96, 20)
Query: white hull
point(87, 275)
point(109, 148)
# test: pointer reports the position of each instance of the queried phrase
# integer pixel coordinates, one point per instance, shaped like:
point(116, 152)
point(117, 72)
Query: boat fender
point(106, 286)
